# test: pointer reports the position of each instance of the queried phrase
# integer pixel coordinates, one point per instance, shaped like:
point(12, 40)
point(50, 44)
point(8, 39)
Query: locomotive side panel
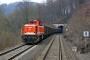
point(40, 30)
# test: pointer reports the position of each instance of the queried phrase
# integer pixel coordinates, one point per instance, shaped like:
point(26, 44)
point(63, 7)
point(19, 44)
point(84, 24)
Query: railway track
point(53, 50)
point(13, 53)
point(7, 51)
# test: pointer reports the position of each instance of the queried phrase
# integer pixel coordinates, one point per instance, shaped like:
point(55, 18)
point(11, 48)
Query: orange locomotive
point(36, 31)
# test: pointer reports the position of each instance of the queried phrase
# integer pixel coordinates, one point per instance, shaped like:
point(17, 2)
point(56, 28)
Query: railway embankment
point(73, 55)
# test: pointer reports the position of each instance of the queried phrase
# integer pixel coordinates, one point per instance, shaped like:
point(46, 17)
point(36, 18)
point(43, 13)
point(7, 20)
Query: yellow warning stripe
point(37, 40)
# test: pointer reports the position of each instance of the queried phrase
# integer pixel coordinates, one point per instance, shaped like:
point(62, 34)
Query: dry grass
point(8, 39)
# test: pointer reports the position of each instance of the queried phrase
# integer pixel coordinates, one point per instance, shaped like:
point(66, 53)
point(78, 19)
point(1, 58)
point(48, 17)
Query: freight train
point(35, 31)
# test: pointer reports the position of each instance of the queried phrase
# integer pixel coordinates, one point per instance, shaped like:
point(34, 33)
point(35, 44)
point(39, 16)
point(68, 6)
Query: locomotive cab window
point(41, 24)
point(33, 22)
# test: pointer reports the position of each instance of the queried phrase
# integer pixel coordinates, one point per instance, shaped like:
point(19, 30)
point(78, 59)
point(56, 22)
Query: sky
point(11, 1)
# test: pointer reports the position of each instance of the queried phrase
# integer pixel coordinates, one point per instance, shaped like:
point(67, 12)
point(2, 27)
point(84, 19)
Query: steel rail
point(20, 53)
point(3, 53)
point(60, 50)
point(45, 52)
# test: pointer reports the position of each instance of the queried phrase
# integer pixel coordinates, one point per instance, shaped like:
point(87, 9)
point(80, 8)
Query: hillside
point(77, 24)
point(9, 8)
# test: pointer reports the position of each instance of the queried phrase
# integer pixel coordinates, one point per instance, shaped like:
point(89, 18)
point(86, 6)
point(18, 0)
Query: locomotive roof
point(35, 19)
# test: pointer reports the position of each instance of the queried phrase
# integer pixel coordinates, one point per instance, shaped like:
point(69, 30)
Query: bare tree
point(23, 8)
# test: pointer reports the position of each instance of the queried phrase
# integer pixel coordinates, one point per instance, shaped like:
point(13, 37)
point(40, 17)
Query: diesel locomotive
point(35, 31)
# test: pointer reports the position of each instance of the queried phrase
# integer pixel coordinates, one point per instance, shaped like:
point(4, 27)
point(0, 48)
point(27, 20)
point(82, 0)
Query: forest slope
point(77, 24)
